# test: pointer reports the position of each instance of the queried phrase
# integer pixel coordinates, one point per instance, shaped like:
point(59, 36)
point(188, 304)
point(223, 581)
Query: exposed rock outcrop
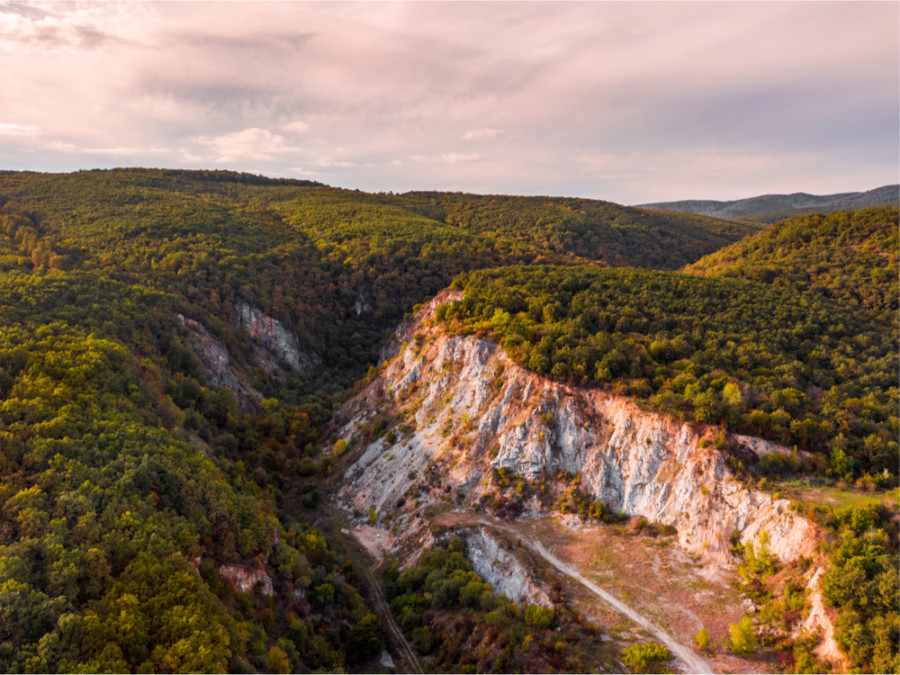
point(245, 578)
point(217, 366)
point(275, 337)
point(463, 409)
point(818, 621)
point(502, 570)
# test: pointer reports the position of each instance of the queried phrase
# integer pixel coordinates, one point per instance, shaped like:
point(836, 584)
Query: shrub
point(366, 639)
point(743, 637)
point(701, 639)
point(539, 617)
point(423, 640)
point(645, 658)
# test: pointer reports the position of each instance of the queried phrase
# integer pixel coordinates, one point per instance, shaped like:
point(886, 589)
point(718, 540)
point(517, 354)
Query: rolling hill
point(178, 351)
point(772, 208)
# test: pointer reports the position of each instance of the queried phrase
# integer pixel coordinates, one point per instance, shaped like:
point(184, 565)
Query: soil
point(672, 593)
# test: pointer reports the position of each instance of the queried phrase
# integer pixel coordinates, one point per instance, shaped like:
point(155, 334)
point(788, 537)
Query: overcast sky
point(630, 102)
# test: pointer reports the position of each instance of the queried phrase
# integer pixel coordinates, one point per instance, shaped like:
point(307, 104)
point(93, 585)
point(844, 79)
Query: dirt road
point(398, 639)
point(692, 662)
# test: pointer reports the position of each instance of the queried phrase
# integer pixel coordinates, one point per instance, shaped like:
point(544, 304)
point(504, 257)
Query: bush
point(743, 637)
point(539, 617)
point(366, 639)
point(645, 658)
point(423, 640)
point(701, 639)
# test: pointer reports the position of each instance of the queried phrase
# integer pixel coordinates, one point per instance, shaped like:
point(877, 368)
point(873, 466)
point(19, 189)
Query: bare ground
point(674, 594)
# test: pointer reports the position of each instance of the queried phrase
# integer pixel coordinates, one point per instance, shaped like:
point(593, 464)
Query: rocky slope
point(276, 338)
point(459, 410)
point(502, 570)
point(277, 347)
point(218, 367)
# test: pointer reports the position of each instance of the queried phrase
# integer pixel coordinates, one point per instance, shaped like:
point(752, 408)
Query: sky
point(630, 102)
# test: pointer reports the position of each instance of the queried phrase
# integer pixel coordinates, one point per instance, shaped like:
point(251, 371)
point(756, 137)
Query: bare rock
point(469, 410)
point(245, 578)
point(275, 337)
point(502, 570)
point(217, 366)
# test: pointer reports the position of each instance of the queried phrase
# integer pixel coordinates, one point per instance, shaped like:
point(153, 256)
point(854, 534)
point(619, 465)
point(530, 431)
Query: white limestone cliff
point(469, 410)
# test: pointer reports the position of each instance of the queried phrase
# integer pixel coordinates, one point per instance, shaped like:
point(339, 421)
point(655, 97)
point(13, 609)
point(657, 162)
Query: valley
point(439, 432)
point(630, 585)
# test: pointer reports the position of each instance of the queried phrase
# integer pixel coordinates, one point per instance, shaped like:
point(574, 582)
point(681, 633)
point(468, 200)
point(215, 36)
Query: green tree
point(277, 661)
point(366, 639)
point(645, 658)
point(539, 617)
point(743, 636)
point(701, 639)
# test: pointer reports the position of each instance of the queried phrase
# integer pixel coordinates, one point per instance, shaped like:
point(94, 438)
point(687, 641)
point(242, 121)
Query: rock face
point(817, 621)
point(462, 410)
point(275, 337)
point(245, 578)
point(217, 366)
point(502, 570)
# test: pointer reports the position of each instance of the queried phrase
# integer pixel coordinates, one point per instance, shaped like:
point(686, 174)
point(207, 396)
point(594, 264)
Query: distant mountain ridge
point(769, 208)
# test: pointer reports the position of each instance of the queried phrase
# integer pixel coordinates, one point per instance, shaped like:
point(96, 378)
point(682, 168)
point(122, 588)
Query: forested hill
point(173, 344)
point(790, 335)
point(848, 256)
point(773, 208)
point(150, 519)
point(339, 267)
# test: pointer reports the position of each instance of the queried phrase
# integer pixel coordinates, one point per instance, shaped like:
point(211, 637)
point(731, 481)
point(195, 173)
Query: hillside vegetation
point(340, 267)
point(134, 490)
point(790, 335)
point(129, 482)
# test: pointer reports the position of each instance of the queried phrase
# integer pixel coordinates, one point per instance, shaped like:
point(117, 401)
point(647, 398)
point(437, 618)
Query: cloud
point(10, 129)
point(447, 158)
point(460, 157)
point(22, 9)
point(328, 162)
point(297, 127)
point(481, 134)
point(72, 148)
point(613, 100)
point(69, 27)
point(248, 144)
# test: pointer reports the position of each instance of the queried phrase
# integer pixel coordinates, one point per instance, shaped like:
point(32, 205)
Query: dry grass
point(652, 576)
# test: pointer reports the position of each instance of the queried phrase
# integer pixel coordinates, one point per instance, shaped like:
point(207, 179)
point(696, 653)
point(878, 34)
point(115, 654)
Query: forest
point(790, 335)
point(132, 487)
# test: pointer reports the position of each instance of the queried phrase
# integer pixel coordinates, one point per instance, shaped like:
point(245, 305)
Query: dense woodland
point(127, 479)
point(790, 335)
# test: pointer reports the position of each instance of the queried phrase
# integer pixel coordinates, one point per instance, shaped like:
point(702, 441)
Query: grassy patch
point(835, 496)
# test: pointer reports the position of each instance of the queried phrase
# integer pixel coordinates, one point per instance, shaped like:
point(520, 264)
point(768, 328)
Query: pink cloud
point(414, 92)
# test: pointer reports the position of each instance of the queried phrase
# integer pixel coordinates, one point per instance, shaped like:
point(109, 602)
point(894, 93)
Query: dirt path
point(331, 519)
point(399, 639)
point(693, 662)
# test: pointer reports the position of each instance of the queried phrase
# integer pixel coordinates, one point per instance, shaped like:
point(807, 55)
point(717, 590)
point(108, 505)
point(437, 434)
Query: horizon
point(479, 194)
point(600, 100)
